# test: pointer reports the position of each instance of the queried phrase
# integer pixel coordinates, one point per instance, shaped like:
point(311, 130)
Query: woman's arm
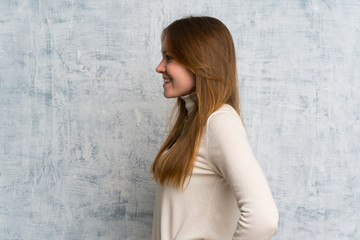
point(229, 151)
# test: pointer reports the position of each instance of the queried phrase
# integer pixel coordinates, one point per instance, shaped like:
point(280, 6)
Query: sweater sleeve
point(230, 154)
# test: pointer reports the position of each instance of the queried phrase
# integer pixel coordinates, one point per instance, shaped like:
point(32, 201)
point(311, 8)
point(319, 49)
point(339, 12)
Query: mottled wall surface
point(82, 112)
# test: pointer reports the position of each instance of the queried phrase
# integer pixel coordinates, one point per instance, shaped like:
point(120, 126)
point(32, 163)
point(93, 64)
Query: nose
point(161, 67)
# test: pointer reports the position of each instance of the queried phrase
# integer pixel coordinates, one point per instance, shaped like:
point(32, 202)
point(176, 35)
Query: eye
point(168, 58)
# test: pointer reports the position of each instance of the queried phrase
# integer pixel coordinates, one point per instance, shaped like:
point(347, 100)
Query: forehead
point(164, 45)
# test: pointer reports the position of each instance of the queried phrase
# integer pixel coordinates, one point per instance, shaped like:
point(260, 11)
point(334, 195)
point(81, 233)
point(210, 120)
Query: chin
point(169, 95)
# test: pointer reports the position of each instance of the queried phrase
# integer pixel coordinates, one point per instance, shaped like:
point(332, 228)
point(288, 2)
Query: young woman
point(210, 186)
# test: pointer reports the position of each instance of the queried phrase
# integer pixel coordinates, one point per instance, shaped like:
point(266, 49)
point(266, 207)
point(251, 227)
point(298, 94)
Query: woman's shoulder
point(225, 111)
point(224, 117)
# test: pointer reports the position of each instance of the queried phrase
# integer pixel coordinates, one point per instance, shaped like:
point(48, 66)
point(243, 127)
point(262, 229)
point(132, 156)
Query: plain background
point(82, 113)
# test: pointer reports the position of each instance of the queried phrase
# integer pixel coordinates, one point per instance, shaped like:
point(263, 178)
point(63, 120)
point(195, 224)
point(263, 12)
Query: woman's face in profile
point(178, 80)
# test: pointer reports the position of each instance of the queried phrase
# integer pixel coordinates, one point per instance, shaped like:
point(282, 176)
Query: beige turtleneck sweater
point(227, 196)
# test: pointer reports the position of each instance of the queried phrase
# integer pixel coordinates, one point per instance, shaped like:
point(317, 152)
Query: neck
point(189, 100)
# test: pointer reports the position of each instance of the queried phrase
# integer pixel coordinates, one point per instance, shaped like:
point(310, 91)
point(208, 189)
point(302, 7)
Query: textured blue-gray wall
point(82, 112)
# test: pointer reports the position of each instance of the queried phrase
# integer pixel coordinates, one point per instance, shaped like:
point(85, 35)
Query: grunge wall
point(82, 113)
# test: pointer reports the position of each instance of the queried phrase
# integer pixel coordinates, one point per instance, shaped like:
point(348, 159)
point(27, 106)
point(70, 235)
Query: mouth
point(167, 80)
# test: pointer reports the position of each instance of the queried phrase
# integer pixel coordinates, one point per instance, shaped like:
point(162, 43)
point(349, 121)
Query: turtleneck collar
point(189, 100)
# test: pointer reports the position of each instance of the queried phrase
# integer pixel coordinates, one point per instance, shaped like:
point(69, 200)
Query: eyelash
point(168, 58)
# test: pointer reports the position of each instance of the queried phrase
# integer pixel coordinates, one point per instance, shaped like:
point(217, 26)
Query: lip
point(167, 81)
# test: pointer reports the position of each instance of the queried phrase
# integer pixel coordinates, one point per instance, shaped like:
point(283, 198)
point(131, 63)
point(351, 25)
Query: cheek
point(191, 79)
point(191, 82)
point(181, 76)
point(173, 73)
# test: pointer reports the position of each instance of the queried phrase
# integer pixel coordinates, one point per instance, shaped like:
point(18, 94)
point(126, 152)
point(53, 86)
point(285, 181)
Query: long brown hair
point(204, 45)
